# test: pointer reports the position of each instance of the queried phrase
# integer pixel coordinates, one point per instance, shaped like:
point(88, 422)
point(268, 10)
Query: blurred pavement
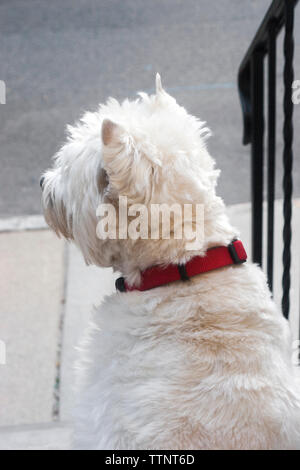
point(59, 58)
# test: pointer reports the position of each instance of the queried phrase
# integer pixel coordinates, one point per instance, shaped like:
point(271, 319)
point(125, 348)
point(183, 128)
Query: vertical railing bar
point(271, 147)
point(287, 153)
point(257, 105)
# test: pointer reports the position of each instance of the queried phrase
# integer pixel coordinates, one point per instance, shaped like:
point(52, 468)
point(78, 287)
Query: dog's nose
point(42, 181)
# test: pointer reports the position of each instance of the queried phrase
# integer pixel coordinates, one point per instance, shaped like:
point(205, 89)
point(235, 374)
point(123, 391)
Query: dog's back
point(198, 365)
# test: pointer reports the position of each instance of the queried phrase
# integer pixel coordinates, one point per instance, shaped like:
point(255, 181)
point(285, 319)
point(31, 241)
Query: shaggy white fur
point(204, 364)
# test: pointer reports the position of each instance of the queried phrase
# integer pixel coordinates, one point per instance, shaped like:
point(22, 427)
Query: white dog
point(203, 363)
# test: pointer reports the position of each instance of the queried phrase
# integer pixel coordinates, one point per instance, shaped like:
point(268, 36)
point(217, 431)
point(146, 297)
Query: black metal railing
point(251, 89)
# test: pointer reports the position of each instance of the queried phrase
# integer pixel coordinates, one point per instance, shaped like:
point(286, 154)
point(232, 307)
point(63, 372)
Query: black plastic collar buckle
point(182, 272)
point(120, 284)
point(233, 253)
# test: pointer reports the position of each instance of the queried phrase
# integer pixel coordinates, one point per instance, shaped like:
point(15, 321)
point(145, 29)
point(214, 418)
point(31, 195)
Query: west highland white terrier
point(191, 351)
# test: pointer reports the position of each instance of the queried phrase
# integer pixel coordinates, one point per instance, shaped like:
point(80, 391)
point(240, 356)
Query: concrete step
point(85, 289)
point(52, 436)
point(31, 302)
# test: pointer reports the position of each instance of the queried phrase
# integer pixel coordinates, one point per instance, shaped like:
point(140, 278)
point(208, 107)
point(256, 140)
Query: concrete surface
point(53, 436)
point(31, 293)
point(85, 289)
point(61, 58)
point(33, 222)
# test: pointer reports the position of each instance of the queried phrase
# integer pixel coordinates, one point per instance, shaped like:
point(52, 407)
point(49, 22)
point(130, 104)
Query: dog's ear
point(117, 154)
point(129, 169)
point(116, 144)
point(159, 88)
point(162, 97)
point(112, 133)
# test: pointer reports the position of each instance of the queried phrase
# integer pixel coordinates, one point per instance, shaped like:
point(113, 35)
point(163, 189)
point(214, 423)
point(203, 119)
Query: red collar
point(214, 258)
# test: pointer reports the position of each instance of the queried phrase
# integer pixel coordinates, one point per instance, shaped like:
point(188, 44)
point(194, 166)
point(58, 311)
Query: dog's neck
point(146, 253)
point(215, 258)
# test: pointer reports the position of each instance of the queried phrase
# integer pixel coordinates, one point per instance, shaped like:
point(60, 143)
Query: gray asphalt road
point(59, 58)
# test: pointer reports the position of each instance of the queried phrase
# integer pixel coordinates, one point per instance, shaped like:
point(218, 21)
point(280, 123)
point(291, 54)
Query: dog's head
point(149, 150)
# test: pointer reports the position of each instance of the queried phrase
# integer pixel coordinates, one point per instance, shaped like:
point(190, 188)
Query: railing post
point(288, 152)
point(250, 81)
point(271, 146)
point(257, 106)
